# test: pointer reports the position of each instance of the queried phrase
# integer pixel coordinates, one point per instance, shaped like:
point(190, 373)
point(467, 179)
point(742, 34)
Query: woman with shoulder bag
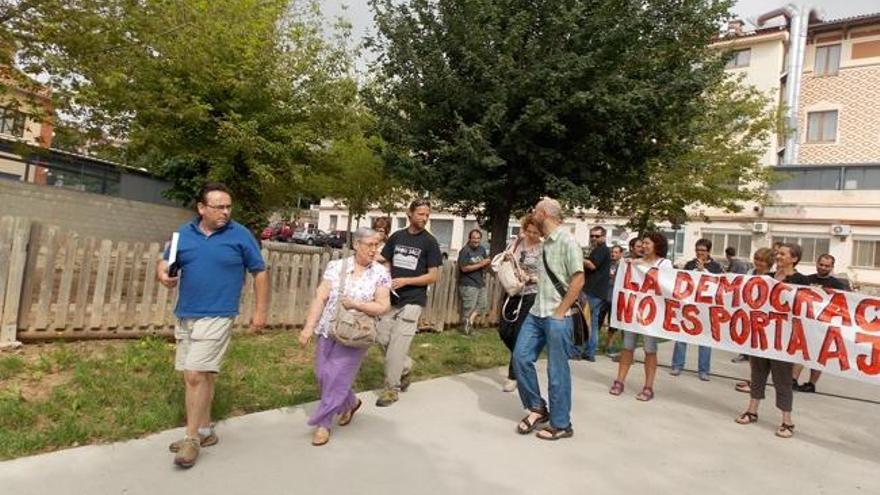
point(527, 252)
point(364, 290)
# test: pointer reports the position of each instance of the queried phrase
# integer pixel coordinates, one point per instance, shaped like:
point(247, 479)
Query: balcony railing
point(849, 177)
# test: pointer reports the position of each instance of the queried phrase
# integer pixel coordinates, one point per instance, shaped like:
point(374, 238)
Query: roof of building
point(868, 18)
point(14, 146)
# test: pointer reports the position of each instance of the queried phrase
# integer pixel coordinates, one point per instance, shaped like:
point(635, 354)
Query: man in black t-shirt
point(413, 256)
point(822, 278)
point(703, 262)
point(597, 267)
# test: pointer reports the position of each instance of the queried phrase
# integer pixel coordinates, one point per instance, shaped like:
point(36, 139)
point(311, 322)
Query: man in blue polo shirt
point(213, 253)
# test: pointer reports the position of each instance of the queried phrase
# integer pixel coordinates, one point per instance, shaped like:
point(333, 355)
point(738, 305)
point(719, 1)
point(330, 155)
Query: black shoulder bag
point(580, 329)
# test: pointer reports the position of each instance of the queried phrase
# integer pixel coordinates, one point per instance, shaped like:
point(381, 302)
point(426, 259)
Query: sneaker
point(467, 327)
point(675, 371)
point(387, 398)
point(740, 359)
point(207, 441)
point(807, 387)
point(589, 358)
point(704, 377)
point(188, 453)
point(509, 386)
point(405, 381)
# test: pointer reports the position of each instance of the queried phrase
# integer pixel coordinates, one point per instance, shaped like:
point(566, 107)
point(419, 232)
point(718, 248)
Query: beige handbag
point(507, 271)
point(351, 328)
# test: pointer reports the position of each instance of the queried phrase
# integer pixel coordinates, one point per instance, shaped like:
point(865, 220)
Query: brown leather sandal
point(553, 433)
point(525, 426)
point(747, 418)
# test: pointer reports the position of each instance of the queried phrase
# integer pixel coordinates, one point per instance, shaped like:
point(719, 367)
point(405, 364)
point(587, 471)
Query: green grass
point(61, 395)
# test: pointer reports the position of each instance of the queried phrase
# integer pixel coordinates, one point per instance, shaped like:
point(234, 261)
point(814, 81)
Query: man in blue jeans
point(702, 263)
point(598, 267)
point(549, 323)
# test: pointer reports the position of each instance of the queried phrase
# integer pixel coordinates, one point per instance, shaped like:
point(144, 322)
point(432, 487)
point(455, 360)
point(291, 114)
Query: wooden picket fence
point(57, 285)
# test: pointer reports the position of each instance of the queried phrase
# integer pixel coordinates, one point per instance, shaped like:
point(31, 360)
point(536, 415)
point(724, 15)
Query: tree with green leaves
point(240, 91)
point(351, 171)
point(491, 104)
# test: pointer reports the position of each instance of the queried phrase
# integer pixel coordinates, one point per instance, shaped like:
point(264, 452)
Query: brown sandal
point(525, 426)
point(744, 387)
point(616, 388)
point(785, 431)
point(553, 433)
point(747, 418)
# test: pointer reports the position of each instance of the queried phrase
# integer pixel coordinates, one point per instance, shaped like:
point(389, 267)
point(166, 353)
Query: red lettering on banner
point(651, 283)
point(798, 341)
point(832, 336)
point(691, 315)
point(670, 307)
point(776, 297)
point(861, 318)
point(740, 318)
point(717, 317)
point(626, 303)
point(702, 286)
point(755, 301)
point(628, 283)
point(778, 319)
point(647, 303)
point(732, 287)
point(803, 302)
point(836, 308)
point(873, 367)
point(684, 286)
point(758, 325)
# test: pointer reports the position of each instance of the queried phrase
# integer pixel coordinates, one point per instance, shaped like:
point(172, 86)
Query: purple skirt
point(336, 367)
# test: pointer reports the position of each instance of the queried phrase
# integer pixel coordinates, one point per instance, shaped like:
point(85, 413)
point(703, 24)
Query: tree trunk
point(348, 229)
point(498, 218)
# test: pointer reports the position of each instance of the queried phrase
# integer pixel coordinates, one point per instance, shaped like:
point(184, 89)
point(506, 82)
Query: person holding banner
point(550, 324)
point(654, 249)
point(787, 257)
point(703, 262)
point(763, 261)
point(822, 278)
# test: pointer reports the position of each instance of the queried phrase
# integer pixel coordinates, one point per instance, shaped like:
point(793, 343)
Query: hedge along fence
point(57, 285)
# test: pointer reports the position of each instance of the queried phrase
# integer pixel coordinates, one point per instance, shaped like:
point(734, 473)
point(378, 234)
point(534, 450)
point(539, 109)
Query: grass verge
point(61, 395)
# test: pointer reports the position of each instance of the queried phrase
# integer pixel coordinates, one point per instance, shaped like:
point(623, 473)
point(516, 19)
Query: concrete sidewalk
point(456, 435)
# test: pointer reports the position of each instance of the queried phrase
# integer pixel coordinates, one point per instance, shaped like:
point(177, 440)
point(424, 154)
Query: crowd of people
point(386, 280)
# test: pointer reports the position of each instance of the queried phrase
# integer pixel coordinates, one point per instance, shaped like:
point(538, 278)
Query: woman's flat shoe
point(347, 416)
point(321, 437)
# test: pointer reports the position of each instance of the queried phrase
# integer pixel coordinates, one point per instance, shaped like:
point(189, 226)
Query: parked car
point(306, 236)
point(335, 239)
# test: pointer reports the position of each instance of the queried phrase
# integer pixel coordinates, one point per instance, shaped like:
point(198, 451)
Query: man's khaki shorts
point(202, 342)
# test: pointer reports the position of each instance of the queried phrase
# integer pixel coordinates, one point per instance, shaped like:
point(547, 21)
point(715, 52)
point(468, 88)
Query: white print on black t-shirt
point(406, 257)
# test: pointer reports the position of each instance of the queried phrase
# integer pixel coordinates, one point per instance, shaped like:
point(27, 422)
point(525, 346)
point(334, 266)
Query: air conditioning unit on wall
point(841, 230)
point(760, 227)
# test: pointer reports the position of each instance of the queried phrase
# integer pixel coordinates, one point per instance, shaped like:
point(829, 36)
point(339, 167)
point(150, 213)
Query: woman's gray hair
point(362, 233)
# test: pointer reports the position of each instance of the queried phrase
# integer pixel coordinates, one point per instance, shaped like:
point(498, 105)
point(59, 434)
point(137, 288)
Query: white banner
point(823, 329)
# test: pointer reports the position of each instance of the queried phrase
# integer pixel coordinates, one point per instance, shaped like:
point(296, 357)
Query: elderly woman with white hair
point(367, 290)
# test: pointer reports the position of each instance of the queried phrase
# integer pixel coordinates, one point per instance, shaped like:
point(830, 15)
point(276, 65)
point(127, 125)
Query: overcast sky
point(358, 12)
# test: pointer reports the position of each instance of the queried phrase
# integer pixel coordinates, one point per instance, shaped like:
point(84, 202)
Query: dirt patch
point(31, 353)
point(37, 390)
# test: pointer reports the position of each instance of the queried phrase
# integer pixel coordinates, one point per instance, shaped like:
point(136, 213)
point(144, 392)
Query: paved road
point(456, 435)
